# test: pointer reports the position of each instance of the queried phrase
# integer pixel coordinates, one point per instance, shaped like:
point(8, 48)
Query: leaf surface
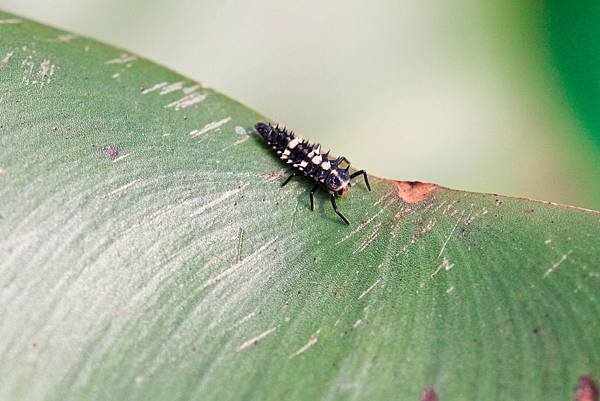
point(147, 252)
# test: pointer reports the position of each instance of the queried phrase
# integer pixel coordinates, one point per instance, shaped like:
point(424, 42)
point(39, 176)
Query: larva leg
point(335, 208)
point(364, 174)
point(289, 179)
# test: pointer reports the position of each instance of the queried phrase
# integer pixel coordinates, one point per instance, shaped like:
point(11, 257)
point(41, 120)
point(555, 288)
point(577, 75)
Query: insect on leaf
point(148, 252)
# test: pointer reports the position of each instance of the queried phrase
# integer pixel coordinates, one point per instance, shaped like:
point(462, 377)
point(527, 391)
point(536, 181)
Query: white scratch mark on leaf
point(238, 142)
point(116, 75)
point(240, 245)
point(366, 223)
point(122, 157)
point(365, 292)
point(312, 341)
point(209, 127)
point(237, 265)
point(244, 319)
point(192, 89)
point(256, 339)
point(450, 206)
point(442, 203)
point(370, 238)
point(66, 38)
point(451, 232)
point(547, 241)
point(186, 101)
point(423, 231)
point(171, 88)
point(555, 265)
point(446, 265)
point(10, 21)
point(475, 216)
point(7, 58)
point(224, 196)
point(357, 323)
point(383, 198)
point(122, 59)
point(124, 187)
point(449, 290)
point(44, 73)
point(240, 130)
point(28, 66)
point(154, 87)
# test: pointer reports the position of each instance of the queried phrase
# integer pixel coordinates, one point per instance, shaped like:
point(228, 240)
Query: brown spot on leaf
point(587, 390)
point(413, 191)
point(429, 395)
point(112, 151)
point(274, 176)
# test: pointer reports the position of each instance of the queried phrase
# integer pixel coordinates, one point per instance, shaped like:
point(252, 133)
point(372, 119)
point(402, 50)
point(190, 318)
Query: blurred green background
point(484, 96)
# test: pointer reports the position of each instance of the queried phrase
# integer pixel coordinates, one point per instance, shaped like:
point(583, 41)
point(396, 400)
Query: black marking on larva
point(308, 160)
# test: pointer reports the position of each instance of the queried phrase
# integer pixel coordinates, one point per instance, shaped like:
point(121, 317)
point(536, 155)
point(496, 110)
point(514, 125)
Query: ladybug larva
point(306, 158)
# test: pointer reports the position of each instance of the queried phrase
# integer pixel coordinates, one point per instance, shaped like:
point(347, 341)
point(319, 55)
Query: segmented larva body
point(308, 160)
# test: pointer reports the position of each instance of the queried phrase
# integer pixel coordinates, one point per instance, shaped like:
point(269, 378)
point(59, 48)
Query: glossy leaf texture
point(147, 252)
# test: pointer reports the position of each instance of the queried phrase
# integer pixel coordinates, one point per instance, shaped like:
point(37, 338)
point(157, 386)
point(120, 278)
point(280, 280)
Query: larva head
point(338, 181)
point(264, 130)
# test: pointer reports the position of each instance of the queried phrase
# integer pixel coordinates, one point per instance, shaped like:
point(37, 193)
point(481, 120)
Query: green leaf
point(148, 252)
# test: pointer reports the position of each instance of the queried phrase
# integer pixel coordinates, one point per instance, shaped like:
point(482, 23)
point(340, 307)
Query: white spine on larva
point(317, 160)
point(325, 165)
point(293, 143)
